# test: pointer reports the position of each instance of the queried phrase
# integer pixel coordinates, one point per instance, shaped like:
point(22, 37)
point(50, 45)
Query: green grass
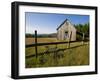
point(71, 57)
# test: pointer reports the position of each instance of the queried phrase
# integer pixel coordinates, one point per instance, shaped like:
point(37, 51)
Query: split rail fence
point(54, 50)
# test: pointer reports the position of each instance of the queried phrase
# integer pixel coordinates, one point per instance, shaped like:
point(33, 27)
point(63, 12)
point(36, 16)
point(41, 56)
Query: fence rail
point(55, 50)
point(51, 43)
point(48, 52)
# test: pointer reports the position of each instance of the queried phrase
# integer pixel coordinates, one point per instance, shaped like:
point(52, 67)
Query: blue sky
point(46, 23)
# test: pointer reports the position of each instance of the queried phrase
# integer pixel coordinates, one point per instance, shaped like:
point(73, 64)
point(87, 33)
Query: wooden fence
point(54, 50)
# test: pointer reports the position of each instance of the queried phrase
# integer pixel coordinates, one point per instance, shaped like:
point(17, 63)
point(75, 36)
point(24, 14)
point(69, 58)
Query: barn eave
point(62, 23)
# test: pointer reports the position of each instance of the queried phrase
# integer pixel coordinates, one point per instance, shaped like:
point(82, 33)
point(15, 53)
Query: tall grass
point(70, 57)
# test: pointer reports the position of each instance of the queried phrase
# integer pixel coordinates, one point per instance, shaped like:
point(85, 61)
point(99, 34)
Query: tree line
point(83, 28)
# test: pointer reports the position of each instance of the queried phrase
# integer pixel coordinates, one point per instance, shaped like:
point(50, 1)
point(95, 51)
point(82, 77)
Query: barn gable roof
point(62, 23)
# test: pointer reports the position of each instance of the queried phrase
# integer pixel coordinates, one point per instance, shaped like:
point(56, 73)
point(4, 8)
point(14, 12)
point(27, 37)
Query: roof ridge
point(62, 23)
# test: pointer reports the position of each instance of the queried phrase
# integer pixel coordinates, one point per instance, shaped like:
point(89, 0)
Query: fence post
point(69, 39)
point(36, 45)
point(83, 38)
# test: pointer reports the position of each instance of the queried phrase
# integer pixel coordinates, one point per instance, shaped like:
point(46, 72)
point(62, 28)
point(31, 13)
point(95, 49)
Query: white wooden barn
point(66, 31)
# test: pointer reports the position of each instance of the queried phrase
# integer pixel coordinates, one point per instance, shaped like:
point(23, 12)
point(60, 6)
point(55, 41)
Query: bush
point(78, 37)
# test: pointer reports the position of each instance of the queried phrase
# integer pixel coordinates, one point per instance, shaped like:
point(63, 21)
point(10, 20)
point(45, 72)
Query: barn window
point(66, 35)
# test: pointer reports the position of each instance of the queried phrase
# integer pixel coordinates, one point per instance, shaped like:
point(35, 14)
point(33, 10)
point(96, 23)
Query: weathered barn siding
point(64, 31)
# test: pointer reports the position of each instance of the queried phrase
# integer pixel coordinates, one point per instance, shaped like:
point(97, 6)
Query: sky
point(46, 23)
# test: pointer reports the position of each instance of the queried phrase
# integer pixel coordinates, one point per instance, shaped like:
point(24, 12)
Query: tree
point(82, 28)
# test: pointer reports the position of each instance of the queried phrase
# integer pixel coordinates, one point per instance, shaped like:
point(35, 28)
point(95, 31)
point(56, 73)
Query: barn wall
point(67, 26)
point(72, 28)
point(61, 31)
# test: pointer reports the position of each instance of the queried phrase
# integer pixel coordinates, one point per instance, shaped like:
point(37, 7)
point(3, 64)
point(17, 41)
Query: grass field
point(74, 56)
